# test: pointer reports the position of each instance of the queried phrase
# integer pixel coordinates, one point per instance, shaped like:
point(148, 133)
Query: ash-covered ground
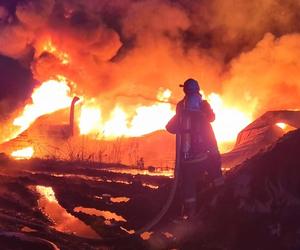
point(50, 204)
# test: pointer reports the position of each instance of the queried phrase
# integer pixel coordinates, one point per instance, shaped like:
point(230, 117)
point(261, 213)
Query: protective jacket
point(200, 125)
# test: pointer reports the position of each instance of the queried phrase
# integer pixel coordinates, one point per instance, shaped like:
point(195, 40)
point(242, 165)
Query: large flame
point(25, 153)
point(229, 120)
point(51, 96)
point(123, 121)
point(146, 119)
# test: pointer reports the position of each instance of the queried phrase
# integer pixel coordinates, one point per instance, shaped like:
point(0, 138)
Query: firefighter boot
point(189, 208)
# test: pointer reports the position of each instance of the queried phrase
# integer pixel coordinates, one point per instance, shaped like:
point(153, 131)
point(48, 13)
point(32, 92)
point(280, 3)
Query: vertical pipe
point(72, 110)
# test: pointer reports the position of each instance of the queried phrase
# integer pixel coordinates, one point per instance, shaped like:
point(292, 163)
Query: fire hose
point(169, 200)
point(164, 209)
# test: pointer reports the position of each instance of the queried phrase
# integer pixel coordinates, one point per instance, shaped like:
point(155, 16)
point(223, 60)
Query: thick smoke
point(129, 48)
point(16, 83)
point(266, 77)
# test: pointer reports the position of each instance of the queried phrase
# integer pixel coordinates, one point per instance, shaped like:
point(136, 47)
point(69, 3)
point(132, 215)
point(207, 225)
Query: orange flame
point(229, 120)
point(146, 119)
point(25, 153)
point(51, 96)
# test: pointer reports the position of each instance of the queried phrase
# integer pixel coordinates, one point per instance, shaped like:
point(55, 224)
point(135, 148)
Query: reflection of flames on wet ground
point(108, 210)
point(63, 221)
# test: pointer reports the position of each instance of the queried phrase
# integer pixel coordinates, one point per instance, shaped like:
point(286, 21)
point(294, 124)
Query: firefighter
point(199, 154)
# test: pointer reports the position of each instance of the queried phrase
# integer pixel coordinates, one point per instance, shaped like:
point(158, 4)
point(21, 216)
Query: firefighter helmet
point(190, 86)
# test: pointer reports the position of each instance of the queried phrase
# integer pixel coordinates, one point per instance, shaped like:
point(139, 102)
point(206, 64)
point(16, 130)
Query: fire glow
point(25, 153)
point(146, 119)
point(51, 96)
point(49, 47)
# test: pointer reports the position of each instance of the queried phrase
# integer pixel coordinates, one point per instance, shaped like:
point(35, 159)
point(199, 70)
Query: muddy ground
point(109, 203)
point(59, 205)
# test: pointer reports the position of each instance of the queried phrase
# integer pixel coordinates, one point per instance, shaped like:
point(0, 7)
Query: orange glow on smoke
point(25, 153)
point(48, 46)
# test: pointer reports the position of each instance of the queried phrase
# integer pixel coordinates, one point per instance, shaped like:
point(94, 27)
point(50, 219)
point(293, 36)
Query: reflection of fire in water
point(47, 192)
point(64, 222)
point(131, 231)
point(119, 199)
point(105, 214)
point(146, 235)
point(25, 153)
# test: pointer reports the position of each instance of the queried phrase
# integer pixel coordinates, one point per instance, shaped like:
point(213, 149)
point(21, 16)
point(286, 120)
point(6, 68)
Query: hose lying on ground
point(164, 209)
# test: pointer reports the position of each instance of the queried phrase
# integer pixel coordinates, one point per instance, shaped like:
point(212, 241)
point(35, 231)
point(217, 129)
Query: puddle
point(123, 182)
point(167, 173)
point(27, 230)
point(107, 215)
point(112, 199)
point(80, 176)
point(128, 231)
point(150, 186)
point(168, 235)
point(63, 221)
point(146, 235)
point(119, 199)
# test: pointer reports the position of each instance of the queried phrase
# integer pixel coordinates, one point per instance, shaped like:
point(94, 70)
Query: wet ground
point(59, 205)
point(48, 205)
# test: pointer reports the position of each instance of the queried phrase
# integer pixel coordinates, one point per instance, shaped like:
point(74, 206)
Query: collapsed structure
point(259, 135)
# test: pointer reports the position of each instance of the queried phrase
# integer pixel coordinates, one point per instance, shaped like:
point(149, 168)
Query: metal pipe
point(72, 110)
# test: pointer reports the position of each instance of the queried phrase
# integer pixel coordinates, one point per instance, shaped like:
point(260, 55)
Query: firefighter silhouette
point(199, 154)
